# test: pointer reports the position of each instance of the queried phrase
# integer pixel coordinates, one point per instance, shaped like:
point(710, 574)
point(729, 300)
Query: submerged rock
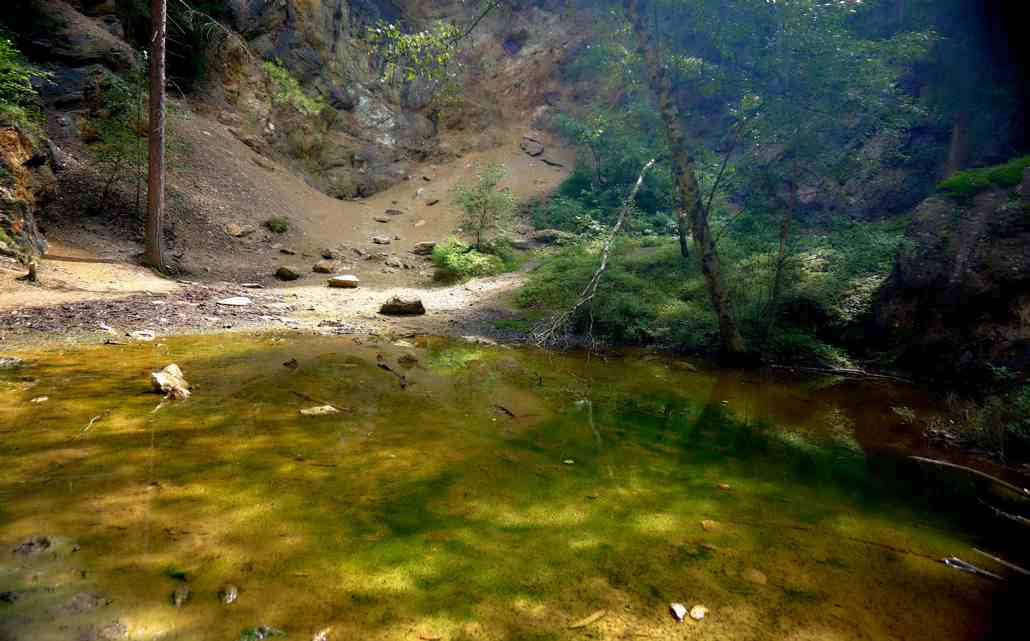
point(698, 612)
point(32, 547)
point(10, 362)
point(229, 594)
point(382, 240)
point(260, 633)
point(146, 335)
point(324, 267)
point(86, 602)
point(181, 596)
point(398, 306)
point(171, 382)
point(320, 410)
point(107, 632)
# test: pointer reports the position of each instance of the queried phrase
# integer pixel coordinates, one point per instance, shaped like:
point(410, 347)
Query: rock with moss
point(956, 302)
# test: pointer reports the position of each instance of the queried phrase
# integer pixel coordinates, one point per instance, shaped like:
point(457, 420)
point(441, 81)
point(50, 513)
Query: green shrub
point(17, 95)
point(277, 224)
point(966, 184)
point(486, 209)
point(1019, 421)
point(456, 260)
point(287, 90)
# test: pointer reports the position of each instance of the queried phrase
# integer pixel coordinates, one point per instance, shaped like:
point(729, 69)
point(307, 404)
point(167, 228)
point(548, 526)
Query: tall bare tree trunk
point(732, 342)
point(153, 254)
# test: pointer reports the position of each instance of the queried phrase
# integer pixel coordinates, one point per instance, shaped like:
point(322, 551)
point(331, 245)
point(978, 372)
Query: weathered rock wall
point(958, 300)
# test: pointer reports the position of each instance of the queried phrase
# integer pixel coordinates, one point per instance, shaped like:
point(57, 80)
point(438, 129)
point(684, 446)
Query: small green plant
point(277, 224)
point(966, 184)
point(17, 94)
point(456, 260)
point(287, 90)
point(487, 209)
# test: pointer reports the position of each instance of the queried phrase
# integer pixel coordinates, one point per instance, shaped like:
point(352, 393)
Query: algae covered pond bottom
point(499, 494)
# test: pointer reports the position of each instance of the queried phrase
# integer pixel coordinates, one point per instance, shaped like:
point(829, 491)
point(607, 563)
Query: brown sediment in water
point(426, 511)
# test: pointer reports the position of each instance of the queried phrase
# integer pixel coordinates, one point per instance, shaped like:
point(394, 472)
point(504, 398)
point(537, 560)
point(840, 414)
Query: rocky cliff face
point(26, 182)
point(367, 132)
point(958, 300)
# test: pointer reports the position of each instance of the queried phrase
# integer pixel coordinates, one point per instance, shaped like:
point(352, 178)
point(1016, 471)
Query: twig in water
point(1021, 491)
point(1011, 566)
point(1015, 518)
point(401, 378)
point(90, 424)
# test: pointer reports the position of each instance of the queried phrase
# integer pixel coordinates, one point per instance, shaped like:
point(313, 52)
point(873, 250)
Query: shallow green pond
point(501, 494)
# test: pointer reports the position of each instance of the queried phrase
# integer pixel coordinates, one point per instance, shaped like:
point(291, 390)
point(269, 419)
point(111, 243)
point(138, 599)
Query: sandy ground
point(90, 279)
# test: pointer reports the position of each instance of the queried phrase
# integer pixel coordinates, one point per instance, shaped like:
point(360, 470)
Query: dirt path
point(89, 281)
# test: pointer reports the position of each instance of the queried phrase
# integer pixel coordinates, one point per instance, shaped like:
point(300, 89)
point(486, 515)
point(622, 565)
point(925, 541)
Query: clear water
point(502, 494)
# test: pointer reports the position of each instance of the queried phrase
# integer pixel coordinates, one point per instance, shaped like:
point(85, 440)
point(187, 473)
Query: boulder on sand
point(287, 273)
point(346, 281)
point(397, 306)
point(424, 248)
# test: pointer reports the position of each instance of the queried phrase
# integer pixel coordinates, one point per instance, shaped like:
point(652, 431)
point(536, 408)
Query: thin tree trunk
point(682, 229)
point(785, 220)
point(732, 343)
point(153, 254)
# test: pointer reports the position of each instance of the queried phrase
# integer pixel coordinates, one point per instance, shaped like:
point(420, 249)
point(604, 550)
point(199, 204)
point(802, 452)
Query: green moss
point(966, 184)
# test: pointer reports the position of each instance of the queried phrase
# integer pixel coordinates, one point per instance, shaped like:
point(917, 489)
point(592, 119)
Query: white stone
point(236, 301)
point(320, 410)
point(678, 611)
point(347, 280)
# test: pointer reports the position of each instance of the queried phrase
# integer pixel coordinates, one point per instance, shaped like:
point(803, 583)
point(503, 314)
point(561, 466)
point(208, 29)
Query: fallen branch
point(1025, 493)
point(1011, 566)
point(555, 327)
point(1015, 518)
point(401, 378)
point(842, 371)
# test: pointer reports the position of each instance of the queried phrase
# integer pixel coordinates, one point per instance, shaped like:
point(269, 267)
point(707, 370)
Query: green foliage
point(565, 213)
point(194, 36)
point(424, 54)
point(287, 90)
point(277, 224)
point(963, 185)
point(456, 260)
point(1018, 427)
point(650, 295)
point(486, 209)
point(17, 95)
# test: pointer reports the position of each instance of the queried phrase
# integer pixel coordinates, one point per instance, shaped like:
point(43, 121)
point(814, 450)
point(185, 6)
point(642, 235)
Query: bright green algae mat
point(502, 494)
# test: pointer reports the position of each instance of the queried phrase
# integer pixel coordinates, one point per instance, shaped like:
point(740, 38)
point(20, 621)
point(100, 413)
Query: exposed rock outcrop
point(958, 299)
point(26, 183)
